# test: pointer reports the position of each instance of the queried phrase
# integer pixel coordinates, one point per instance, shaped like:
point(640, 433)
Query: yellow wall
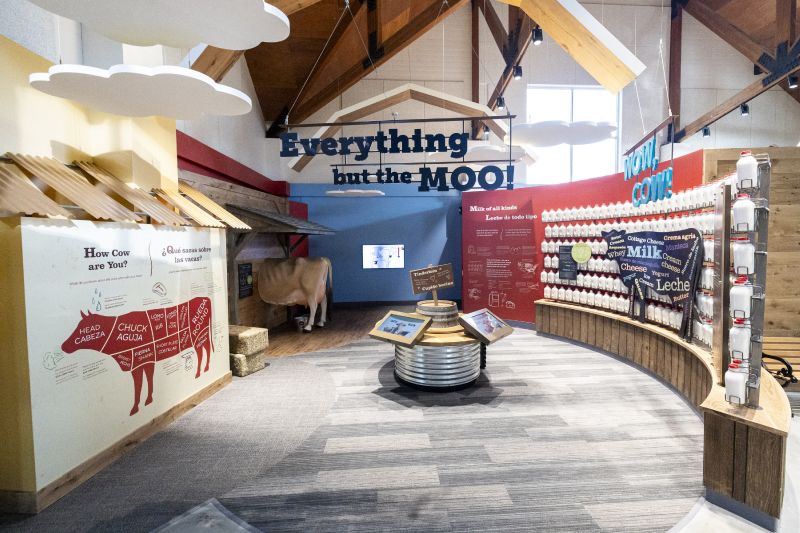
point(16, 443)
point(32, 122)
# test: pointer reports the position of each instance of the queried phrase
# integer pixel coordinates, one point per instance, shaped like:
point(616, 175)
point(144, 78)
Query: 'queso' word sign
point(652, 188)
point(667, 263)
point(462, 178)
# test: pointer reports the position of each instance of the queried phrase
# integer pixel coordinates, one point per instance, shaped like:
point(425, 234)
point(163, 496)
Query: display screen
point(384, 256)
point(400, 325)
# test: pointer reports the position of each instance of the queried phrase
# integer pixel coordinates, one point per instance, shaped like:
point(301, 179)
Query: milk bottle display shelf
point(740, 244)
point(598, 284)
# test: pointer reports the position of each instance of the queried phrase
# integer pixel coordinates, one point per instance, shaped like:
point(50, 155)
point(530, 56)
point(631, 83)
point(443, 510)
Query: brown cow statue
point(297, 281)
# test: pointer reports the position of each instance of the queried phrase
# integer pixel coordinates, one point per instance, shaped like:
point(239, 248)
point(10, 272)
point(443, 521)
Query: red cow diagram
point(138, 339)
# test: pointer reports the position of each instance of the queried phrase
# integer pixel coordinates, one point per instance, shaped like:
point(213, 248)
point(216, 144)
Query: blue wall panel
point(428, 224)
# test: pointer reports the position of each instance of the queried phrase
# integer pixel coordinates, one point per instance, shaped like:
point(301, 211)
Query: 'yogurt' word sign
point(667, 263)
point(652, 188)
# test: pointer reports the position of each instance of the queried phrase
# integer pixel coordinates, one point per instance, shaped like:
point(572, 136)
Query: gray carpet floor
point(554, 437)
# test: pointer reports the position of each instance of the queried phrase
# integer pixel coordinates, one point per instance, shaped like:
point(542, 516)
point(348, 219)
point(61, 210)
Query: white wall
point(712, 71)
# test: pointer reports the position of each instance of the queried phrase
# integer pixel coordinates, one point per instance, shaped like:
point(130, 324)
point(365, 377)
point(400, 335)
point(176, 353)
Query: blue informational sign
point(667, 263)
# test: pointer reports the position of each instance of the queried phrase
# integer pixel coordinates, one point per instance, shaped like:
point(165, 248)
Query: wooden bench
point(788, 348)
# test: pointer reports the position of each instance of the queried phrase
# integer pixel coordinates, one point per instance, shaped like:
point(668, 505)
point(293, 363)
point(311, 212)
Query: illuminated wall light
point(706, 132)
point(537, 35)
point(793, 82)
point(486, 133)
point(501, 103)
point(517, 70)
point(745, 109)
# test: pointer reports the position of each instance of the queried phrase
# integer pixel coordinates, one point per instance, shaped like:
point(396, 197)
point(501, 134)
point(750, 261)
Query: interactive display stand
point(442, 355)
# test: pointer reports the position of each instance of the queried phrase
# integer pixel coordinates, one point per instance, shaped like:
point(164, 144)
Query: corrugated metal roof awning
point(213, 207)
point(19, 195)
point(267, 222)
point(195, 213)
point(140, 199)
point(74, 187)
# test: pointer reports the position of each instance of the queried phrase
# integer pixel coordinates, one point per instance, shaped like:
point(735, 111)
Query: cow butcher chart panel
point(124, 322)
point(137, 340)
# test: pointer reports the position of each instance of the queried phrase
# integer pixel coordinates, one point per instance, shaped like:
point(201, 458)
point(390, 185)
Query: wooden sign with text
point(432, 278)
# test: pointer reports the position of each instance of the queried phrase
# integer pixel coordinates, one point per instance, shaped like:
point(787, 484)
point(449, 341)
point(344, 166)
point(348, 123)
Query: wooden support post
point(235, 243)
point(476, 64)
point(675, 48)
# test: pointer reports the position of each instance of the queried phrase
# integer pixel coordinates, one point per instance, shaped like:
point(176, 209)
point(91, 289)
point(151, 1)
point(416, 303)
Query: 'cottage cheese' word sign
point(667, 263)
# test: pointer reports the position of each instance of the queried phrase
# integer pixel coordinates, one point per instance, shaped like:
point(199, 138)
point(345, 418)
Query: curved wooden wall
point(744, 453)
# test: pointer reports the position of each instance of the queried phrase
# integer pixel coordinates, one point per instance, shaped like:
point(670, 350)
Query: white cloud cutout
point(136, 91)
point(230, 24)
point(553, 132)
point(346, 193)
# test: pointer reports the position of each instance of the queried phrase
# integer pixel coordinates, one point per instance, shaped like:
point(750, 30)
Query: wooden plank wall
point(742, 462)
point(252, 311)
point(783, 292)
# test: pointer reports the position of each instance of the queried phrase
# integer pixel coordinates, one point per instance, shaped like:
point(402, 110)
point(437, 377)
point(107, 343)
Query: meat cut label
point(137, 340)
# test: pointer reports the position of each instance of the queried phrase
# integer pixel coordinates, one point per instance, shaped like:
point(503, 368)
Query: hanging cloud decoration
point(554, 132)
point(350, 193)
point(135, 91)
point(229, 24)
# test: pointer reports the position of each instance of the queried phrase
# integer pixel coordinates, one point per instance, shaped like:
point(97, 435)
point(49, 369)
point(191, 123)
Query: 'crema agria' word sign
point(462, 178)
point(652, 188)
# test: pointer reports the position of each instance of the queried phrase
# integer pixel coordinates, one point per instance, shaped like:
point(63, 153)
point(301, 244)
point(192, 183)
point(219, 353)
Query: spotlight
point(793, 82)
point(517, 70)
point(757, 70)
point(706, 132)
point(745, 109)
point(537, 36)
point(486, 133)
point(501, 103)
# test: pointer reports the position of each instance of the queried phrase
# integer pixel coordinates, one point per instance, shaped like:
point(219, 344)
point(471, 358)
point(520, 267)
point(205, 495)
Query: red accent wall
point(195, 156)
point(510, 278)
point(299, 210)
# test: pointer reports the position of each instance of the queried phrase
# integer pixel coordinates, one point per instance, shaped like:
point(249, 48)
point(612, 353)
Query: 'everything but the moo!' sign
point(462, 178)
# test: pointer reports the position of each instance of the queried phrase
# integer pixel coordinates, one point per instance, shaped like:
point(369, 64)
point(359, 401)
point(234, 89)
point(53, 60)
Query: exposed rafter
point(584, 38)
point(341, 72)
point(732, 103)
point(675, 49)
point(216, 62)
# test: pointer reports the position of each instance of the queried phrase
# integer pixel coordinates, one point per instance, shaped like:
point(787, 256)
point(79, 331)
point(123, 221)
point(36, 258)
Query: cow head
point(91, 333)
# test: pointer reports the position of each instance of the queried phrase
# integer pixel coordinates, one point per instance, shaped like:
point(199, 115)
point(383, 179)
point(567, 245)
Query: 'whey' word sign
point(667, 263)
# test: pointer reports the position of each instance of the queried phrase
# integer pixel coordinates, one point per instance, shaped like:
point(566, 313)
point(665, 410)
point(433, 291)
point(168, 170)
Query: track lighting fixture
point(706, 132)
point(501, 103)
point(517, 72)
point(537, 35)
point(793, 82)
point(757, 70)
point(486, 133)
point(745, 109)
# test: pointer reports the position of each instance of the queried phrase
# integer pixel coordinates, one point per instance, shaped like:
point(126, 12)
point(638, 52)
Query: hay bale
point(244, 365)
point(248, 340)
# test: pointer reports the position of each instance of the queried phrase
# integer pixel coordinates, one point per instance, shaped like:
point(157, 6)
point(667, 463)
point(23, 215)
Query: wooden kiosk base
point(744, 452)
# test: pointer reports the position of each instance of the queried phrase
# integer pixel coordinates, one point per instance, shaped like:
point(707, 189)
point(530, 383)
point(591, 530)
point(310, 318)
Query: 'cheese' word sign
point(652, 188)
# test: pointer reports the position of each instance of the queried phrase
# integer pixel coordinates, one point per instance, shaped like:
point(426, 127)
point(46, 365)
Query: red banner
point(502, 233)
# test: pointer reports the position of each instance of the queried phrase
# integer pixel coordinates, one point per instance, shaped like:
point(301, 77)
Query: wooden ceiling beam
point(786, 21)
point(518, 45)
point(675, 50)
point(432, 15)
point(726, 31)
point(476, 62)
point(496, 28)
point(216, 62)
point(732, 103)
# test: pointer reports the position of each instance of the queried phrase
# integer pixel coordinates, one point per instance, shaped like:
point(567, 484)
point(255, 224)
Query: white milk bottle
point(547, 292)
point(744, 213)
point(746, 171)
point(741, 296)
point(739, 339)
point(736, 384)
point(744, 255)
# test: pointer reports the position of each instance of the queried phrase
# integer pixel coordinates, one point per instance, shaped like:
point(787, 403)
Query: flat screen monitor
point(383, 256)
